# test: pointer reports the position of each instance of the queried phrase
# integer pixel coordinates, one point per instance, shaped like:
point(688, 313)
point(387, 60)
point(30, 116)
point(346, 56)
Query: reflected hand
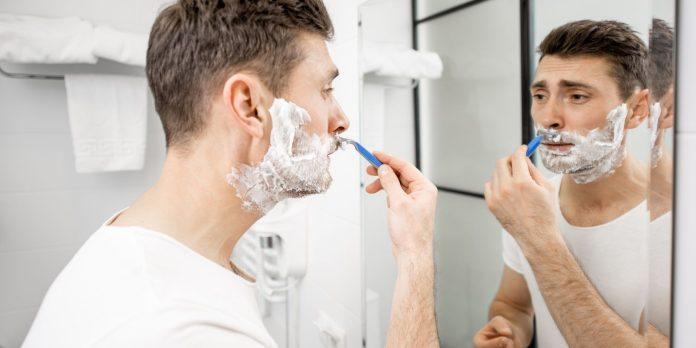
point(521, 198)
point(411, 200)
point(498, 333)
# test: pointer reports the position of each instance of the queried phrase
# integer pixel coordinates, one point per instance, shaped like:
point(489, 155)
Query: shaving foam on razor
point(541, 135)
point(367, 155)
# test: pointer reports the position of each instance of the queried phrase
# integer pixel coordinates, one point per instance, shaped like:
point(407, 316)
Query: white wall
point(47, 210)
point(685, 186)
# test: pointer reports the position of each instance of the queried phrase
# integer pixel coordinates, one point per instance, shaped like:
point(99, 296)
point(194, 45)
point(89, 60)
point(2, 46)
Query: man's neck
point(192, 203)
point(613, 195)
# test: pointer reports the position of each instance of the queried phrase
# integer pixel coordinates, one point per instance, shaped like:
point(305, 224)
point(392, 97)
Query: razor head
point(549, 135)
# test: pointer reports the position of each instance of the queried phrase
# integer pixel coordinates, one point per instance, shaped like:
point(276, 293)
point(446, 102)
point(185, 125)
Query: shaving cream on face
point(295, 165)
point(654, 122)
point(592, 156)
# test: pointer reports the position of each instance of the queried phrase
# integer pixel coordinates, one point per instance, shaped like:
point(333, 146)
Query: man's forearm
point(521, 320)
point(656, 339)
point(579, 311)
point(413, 307)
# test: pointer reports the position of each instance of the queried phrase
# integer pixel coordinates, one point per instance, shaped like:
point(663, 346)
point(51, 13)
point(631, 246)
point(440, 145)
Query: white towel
point(389, 61)
point(126, 48)
point(27, 39)
point(108, 121)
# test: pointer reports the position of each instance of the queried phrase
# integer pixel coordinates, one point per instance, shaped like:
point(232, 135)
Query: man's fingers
point(520, 168)
point(407, 171)
point(501, 326)
point(374, 187)
point(487, 191)
point(484, 341)
point(390, 183)
point(535, 173)
point(371, 170)
point(495, 184)
point(503, 171)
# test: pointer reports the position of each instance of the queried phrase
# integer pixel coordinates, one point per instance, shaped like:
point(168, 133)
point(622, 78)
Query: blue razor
point(534, 144)
point(367, 155)
point(541, 135)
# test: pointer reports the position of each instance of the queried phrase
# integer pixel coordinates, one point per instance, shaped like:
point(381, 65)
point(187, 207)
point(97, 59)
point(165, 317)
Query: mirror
point(661, 72)
point(614, 205)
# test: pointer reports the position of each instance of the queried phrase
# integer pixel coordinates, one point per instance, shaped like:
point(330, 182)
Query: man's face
point(304, 122)
point(573, 94)
point(310, 86)
point(578, 102)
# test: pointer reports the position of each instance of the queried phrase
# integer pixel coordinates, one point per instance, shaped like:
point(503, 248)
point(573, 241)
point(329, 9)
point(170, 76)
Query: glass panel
point(472, 115)
point(469, 264)
point(429, 7)
point(661, 72)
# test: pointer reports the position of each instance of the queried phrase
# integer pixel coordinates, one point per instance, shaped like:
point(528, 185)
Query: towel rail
point(30, 76)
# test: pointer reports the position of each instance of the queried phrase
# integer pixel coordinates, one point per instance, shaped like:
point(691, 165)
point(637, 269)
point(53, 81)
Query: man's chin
point(308, 191)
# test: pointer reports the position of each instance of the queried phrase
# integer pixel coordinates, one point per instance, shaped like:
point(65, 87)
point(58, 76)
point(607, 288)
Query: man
point(575, 248)
point(244, 92)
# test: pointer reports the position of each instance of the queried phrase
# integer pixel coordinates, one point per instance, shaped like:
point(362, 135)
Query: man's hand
point(521, 198)
point(411, 199)
point(498, 333)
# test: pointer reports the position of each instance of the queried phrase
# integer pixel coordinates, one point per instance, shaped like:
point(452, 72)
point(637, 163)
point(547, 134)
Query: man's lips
point(560, 147)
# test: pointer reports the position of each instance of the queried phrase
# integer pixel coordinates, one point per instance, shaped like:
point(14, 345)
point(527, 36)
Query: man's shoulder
point(176, 323)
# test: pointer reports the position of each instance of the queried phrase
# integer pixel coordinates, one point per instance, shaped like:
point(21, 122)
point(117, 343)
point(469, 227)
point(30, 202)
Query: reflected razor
point(367, 155)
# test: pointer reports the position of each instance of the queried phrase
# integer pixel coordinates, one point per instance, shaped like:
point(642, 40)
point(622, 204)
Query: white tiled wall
point(46, 209)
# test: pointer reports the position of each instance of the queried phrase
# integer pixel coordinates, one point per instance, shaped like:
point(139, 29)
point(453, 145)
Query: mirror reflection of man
point(661, 80)
point(244, 92)
point(574, 247)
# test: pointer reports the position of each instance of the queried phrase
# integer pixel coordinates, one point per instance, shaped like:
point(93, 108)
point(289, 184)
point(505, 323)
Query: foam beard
point(594, 155)
point(654, 121)
point(296, 164)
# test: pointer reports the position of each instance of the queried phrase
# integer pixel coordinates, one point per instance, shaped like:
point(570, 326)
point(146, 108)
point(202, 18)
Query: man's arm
point(577, 308)
point(523, 200)
point(411, 201)
point(510, 315)
point(656, 339)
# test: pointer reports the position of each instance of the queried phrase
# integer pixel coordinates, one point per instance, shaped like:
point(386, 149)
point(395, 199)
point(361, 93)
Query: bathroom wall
point(47, 210)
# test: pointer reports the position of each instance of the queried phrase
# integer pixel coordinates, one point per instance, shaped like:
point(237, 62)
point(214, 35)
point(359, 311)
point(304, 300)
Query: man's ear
point(667, 116)
point(639, 107)
point(242, 97)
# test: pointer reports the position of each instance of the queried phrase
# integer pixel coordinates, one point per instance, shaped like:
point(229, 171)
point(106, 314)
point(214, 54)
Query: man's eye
point(328, 90)
point(538, 96)
point(578, 97)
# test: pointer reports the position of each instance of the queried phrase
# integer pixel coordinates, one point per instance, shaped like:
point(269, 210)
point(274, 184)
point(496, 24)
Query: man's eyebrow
point(539, 84)
point(569, 83)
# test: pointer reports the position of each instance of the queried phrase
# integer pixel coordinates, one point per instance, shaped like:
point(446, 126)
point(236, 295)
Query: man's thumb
point(390, 182)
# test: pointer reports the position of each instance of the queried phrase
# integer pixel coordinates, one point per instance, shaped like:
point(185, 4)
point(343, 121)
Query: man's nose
point(338, 122)
point(551, 116)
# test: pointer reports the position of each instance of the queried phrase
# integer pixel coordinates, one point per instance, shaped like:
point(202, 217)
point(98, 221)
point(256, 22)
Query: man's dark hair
point(612, 40)
point(195, 45)
point(661, 66)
